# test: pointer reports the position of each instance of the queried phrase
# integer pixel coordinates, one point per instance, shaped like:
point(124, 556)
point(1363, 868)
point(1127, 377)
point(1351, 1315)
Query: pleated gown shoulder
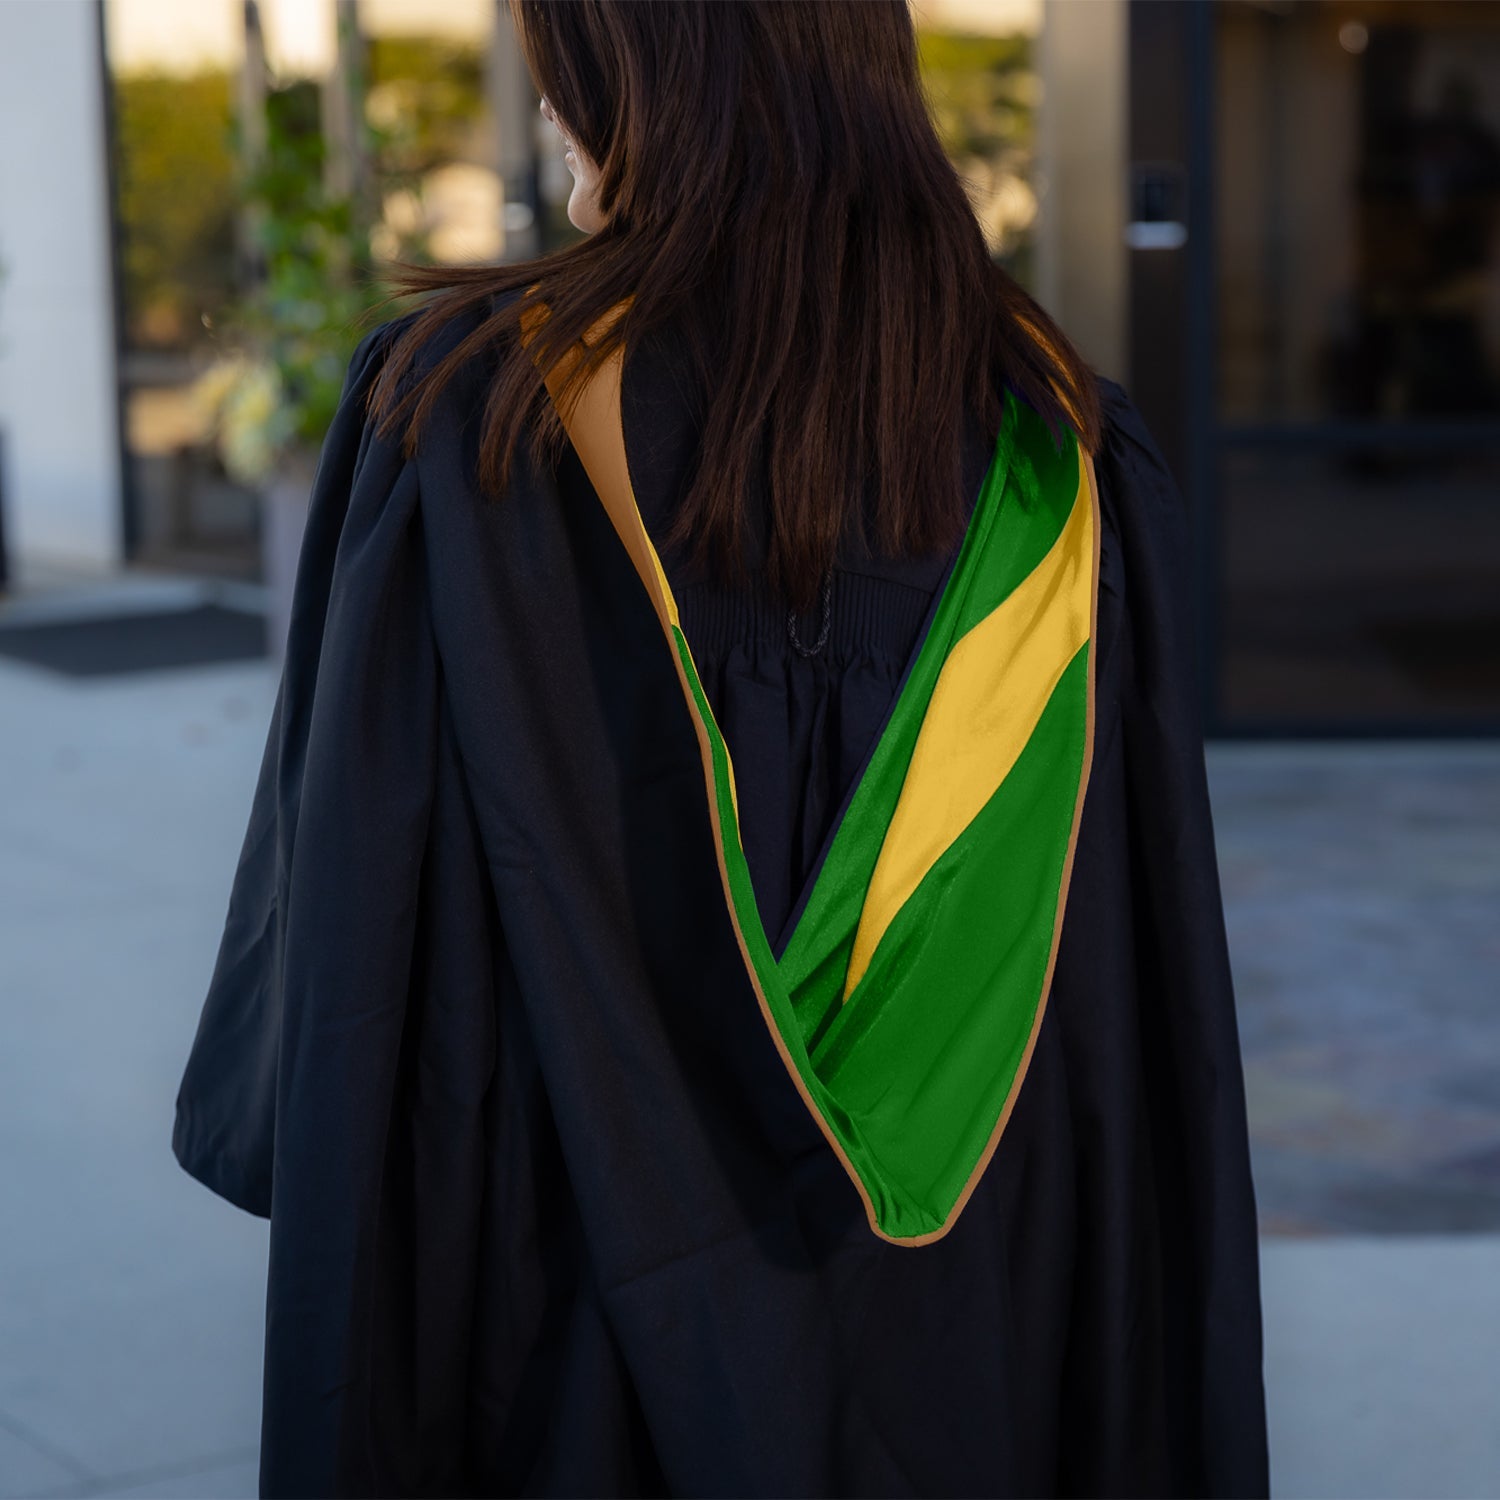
point(684, 1050)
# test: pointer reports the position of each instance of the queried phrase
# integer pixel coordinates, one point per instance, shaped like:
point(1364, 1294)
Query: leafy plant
point(271, 399)
point(983, 92)
point(427, 96)
point(174, 159)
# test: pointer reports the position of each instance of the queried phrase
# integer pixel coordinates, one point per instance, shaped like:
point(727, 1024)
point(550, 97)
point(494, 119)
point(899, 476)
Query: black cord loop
point(791, 620)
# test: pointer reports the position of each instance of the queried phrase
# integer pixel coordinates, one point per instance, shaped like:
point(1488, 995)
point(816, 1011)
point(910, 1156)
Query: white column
point(1082, 264)
point(62, 481)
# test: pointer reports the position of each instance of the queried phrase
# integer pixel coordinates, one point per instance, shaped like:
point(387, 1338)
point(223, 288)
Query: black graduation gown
point(548, 1215)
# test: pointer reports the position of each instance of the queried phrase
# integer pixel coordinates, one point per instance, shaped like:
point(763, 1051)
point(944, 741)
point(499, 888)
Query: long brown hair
point(772, 186)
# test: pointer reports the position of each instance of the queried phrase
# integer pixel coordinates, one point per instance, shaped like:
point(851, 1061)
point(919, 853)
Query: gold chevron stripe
point(985, 705)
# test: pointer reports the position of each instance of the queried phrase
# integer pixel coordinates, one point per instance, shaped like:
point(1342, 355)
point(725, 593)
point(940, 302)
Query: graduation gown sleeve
point(319, 1091)
point(1190, 1042)
point(225, 1126)
point(1165, 1273)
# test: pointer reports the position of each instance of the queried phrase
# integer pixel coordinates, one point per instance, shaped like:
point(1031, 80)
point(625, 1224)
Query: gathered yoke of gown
point(548, 1214)
point(799, 703)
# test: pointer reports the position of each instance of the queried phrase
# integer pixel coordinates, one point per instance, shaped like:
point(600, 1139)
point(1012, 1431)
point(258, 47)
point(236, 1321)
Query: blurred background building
point(1277, 222)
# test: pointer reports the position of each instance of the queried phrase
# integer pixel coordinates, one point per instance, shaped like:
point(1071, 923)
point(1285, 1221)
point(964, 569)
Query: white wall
point(62, 481)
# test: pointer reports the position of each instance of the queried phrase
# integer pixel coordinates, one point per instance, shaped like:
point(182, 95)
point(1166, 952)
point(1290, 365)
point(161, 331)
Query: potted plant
point(269, 399)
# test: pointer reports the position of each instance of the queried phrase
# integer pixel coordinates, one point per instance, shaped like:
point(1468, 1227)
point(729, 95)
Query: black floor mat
point(116, 644)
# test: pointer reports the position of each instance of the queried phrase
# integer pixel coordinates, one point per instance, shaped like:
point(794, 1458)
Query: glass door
point(1354, 470)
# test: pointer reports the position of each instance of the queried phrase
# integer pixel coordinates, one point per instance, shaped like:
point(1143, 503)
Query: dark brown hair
point(774, 188)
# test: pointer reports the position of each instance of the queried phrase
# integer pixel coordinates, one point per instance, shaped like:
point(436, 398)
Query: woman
point(725, 987)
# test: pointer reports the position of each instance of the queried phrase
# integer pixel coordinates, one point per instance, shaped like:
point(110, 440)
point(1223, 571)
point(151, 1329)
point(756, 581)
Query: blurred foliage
point(176, 166)
point(288, 340)
point(981, 90)
point(313, 280)
point(284, 341)
point(427, 98)
point(175, 169)
point(983, 93)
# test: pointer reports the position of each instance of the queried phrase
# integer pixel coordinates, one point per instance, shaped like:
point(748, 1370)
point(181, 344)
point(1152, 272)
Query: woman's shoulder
point(1144, 516)
point(426, 349)
point(1147, 617)
point(1136, 483)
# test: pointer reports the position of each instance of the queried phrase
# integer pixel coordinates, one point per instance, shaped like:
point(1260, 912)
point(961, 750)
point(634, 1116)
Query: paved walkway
point(1362, 890)
point(130, 1298)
